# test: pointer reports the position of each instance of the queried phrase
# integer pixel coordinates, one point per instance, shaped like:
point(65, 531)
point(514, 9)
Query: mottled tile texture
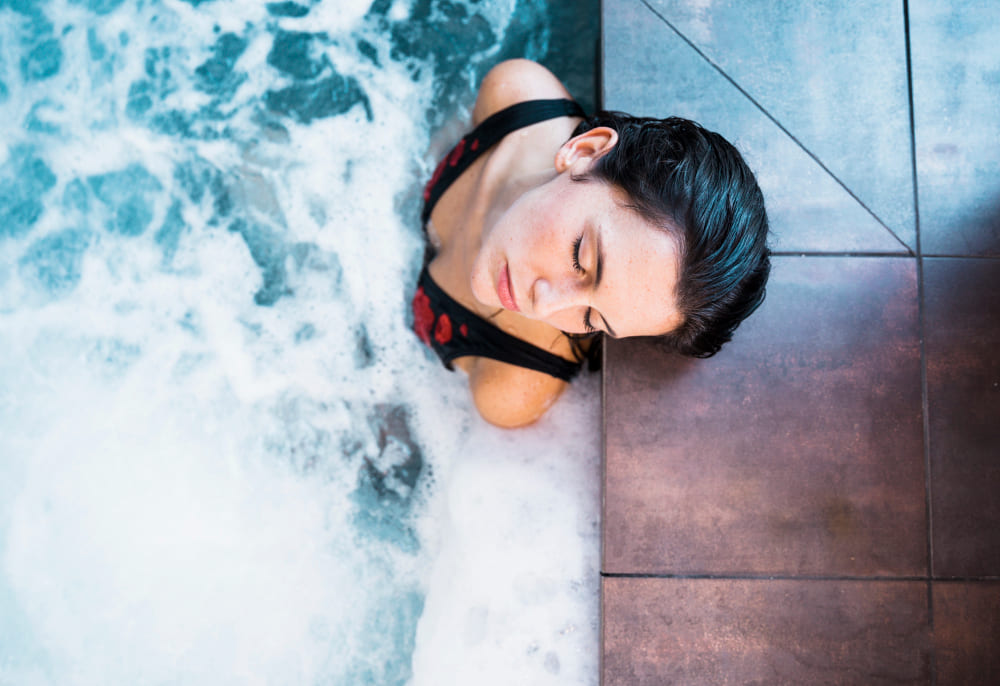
point(820, 502)
point(967, 633)
point(711, 632)
point(956, 98)
point(962, 311)
point(797, 450)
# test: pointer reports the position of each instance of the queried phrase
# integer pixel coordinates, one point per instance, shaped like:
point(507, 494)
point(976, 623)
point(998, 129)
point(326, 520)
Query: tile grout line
point(780, 126)
point(922, 328)
point(897, 255)
point(693, 576)
point(920, 295)
point(806, 253)
point(601, 625)
point(959, 257)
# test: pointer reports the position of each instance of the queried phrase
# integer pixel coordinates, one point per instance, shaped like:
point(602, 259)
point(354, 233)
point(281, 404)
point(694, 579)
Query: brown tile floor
point(740, 631)
point(820, 502)
point(962, 320)
point(966, 627)
point(798, 450)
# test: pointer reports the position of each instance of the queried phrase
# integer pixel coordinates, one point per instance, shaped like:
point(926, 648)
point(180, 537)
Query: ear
point(581, 151)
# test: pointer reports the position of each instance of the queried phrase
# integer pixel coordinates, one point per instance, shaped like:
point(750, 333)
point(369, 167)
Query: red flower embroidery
point(464, 329)
point(442, 332)
point(456, 154)
point(435, 177)
point(423, 316)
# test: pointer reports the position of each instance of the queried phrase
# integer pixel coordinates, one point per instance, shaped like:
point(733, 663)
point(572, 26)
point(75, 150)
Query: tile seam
point(601, 624)
point(950, 256)
point(806, 253)
point(922, 327)
point(801, 577)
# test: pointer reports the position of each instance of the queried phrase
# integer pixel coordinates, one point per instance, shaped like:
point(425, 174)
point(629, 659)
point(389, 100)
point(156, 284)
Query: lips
point(505, 291)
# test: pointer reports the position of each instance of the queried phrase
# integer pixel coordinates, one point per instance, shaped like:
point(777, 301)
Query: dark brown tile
point(962, 318)
point(967, 633)
point(711, 632)
point(797, 450)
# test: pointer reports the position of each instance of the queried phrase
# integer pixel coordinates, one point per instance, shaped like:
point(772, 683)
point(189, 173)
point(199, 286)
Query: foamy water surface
point(224, 457)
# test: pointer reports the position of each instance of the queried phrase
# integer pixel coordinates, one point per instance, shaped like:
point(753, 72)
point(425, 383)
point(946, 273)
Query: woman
point(546, 229)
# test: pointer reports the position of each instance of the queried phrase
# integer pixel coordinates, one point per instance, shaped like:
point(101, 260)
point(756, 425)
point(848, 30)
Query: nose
point(554, 294)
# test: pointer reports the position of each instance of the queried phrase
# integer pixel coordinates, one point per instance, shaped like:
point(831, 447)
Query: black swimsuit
point(448, 327)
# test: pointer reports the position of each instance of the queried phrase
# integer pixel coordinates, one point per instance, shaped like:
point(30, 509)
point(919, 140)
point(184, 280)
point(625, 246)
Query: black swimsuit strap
point(443, 323)
point(487, 134)
point(466, 333)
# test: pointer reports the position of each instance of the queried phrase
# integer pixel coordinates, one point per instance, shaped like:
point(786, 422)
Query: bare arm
point(509, 396)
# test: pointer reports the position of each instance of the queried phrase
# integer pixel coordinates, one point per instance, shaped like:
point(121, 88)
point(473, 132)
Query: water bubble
point(551, 663)
point(292, 53)
point(128, 194)
point(169, 235)
point(99, 6)
point(52, 264)
point(24, 180)
point(43, 61)
point(286, 9)
point(327, 97)
point(216, 75)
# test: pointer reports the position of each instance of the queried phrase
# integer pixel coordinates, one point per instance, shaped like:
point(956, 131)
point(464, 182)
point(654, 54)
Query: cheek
point(544, 235)
point(506, 232)
point(533, 233)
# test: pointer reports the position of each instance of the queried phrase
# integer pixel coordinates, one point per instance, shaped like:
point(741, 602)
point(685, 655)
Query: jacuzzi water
point(224, 457)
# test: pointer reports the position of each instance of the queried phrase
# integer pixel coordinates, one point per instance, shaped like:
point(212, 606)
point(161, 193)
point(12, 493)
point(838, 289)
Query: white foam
point(179, 467)
point(145, 546)
point(512, 598)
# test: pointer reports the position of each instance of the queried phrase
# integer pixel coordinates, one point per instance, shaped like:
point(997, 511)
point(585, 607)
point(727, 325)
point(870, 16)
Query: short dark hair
point(697, 186)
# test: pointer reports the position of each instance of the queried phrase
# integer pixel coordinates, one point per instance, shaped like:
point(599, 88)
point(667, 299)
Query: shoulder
point(514, 81)
point(509, 396)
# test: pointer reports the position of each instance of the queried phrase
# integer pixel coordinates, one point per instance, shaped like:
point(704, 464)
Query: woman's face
point(572, 254)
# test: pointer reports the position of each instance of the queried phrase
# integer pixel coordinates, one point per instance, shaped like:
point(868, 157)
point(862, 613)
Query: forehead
point(641, 267)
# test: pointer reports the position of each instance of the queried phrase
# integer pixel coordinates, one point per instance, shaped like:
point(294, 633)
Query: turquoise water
point(224, 458)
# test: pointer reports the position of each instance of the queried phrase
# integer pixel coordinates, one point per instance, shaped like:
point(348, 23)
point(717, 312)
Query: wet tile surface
point(967, 633)
point(962, 301)
point(956, 98)
point(650, 69)
point(797, 450)
point(775, 515)
point(707, 632)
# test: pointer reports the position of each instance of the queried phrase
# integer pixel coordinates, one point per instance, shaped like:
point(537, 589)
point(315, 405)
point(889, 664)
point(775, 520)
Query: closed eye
point(576, 255)
point(588, 326)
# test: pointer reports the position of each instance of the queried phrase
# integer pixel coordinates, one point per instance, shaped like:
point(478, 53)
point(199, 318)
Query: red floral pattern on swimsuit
point(442, 332)
point(435, 177)
point(456, 154)
point(423, 316)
